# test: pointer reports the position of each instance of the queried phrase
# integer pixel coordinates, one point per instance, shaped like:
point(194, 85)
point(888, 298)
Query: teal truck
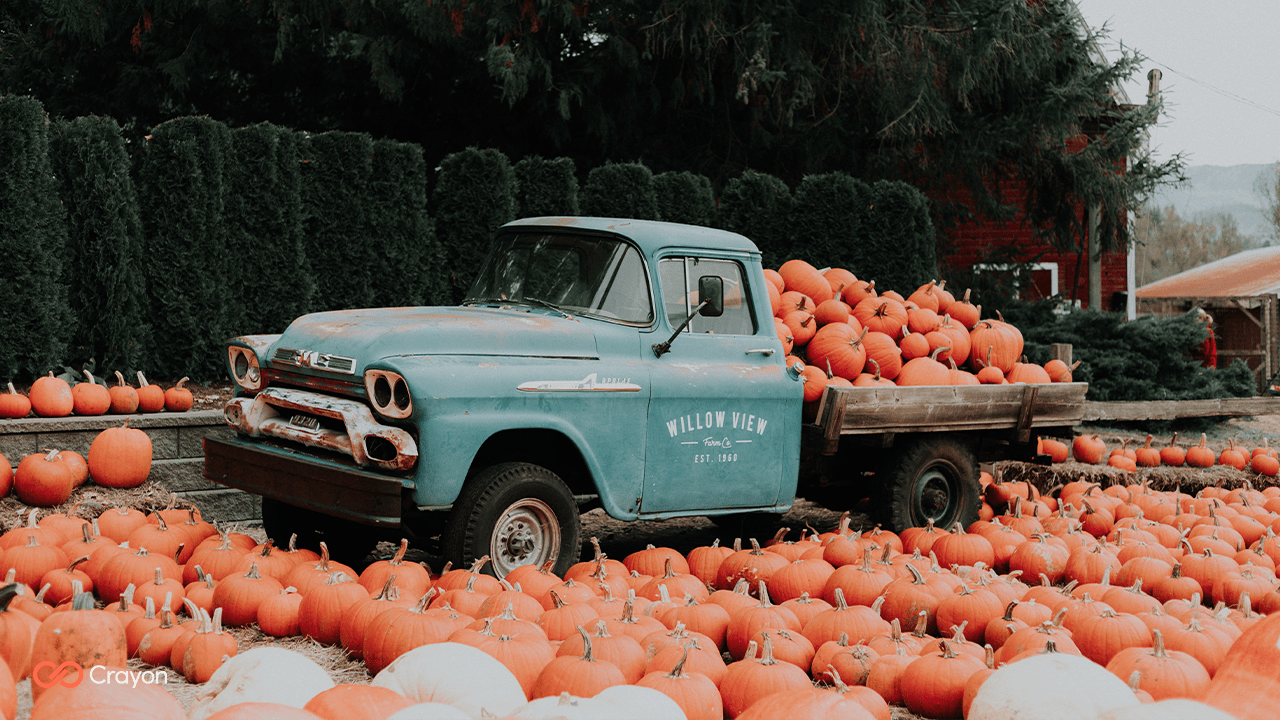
point(597, 363)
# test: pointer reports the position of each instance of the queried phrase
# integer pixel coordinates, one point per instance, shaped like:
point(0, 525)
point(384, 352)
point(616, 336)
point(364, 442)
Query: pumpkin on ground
point(264, 675)
point(120, 457)
point(1080, 689)
point(454, 674)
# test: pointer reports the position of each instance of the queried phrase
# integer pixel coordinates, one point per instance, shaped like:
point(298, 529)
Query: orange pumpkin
point(120, 457)
point(14, 404)
point(124, 399)
point(51, 397)
point(43, 479)
point(90, 398)
point(178, 398)
point(150, 397)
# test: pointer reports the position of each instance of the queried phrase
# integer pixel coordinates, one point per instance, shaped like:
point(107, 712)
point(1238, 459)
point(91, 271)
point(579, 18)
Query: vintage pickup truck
point(618, 364)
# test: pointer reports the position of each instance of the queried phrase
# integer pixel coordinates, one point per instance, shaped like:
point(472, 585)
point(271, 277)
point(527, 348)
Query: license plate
point(305, 422)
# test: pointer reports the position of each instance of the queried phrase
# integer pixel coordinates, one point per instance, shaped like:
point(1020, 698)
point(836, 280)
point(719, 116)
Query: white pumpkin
point(640, 703)
point(1052, 686)
point(430, 711)
point(454, 674)
point(263, 674)
point(566, 707)
point(1172, 709)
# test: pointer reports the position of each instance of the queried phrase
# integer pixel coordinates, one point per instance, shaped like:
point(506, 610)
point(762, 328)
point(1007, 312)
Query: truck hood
point(369, 335)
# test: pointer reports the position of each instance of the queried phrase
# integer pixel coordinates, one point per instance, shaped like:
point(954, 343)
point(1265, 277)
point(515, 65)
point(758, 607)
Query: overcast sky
point(1221, 67)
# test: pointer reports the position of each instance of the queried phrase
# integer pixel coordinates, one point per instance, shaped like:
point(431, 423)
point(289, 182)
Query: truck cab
point(622, 364)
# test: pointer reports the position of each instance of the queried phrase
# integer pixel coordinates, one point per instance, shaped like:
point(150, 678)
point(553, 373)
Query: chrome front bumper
point(324, 422)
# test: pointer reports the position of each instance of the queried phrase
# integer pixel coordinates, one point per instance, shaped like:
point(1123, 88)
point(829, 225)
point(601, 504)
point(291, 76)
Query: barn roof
point(1245, 274)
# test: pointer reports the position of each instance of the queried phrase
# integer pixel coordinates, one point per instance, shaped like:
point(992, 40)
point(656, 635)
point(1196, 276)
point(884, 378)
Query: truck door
point(723, 416)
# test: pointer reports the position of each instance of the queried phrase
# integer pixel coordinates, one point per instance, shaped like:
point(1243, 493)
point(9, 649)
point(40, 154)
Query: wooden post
point(1060, 351)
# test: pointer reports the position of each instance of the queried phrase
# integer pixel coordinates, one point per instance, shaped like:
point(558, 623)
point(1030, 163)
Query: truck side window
point(679, 278)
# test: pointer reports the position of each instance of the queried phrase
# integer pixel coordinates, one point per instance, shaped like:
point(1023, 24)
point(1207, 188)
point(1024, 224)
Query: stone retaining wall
point(177, 460)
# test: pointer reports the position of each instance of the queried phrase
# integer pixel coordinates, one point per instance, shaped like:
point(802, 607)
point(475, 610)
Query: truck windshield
point(579, 274)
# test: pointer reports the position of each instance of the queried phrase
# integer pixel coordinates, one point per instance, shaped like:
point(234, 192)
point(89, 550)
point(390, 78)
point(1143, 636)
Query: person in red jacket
point(1208, 350)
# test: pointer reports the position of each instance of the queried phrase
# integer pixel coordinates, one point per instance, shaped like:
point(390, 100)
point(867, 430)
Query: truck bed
point(887, 411)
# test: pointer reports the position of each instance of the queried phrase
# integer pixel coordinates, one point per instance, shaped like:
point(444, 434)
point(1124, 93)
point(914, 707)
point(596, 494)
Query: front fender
point(449, 446)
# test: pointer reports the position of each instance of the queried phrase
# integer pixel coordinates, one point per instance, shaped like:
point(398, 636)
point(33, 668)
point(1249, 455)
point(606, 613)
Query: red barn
point(1105, 283)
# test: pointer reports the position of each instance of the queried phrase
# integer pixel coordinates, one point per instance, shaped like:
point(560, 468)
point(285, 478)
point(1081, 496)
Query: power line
point(1220, 91)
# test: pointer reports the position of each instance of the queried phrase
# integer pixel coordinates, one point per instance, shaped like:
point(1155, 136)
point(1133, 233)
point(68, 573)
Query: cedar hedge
point(475, 193)
point(34, 315)
point(336, 170)
point(241, 231)
point(182, 191)
point(103, 262)
point(546, 188)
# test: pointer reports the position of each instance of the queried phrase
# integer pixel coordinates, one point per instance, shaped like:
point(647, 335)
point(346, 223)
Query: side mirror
point(711, 295)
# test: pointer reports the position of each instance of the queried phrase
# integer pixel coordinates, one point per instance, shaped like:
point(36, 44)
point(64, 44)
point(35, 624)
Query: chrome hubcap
point(527, 533)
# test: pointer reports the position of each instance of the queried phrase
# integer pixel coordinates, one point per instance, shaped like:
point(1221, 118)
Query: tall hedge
point(182, 191)
point(620, 190)
point(827, 223)
point(337, 167)
point(475, 193)
point(270, 280)
point(759, 206)
point(34, 313)
point(546, 188)
point(103, 263)
point(685, 197)
point(407, 261)
point(898, 241)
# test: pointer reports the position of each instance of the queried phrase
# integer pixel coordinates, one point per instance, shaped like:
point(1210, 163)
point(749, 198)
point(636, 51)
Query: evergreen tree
point(943, 95)
point(474, 195)
point(103, 262)
point(620, 190)
point(34, 314)
point(685, 197)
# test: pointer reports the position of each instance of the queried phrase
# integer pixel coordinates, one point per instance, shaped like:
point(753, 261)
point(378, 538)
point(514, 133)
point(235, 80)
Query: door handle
point(767, 352)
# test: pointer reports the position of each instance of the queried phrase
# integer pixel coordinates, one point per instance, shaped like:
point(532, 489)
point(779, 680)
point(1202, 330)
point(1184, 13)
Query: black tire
point(349, 543)
point(517, 514)
point(931, 479)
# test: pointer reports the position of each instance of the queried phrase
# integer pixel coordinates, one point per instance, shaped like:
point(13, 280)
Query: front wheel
point(930, 479)
point(517, 514)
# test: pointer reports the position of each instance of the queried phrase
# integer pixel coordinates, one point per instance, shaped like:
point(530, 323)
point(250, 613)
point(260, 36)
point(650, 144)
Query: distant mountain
point(1216, 189)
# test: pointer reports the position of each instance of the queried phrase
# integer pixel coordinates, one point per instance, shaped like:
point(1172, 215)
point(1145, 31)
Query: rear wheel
point(931, 479)
point(517, 514)
point(349, 542)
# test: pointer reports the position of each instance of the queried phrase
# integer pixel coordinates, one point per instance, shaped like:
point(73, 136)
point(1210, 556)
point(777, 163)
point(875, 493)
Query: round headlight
point(244, 368)
point(388, 393)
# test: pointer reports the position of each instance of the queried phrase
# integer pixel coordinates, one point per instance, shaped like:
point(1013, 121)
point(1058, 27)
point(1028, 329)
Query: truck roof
point(648, 234)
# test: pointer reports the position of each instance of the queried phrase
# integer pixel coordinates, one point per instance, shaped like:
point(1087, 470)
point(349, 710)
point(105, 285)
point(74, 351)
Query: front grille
point(345, 388)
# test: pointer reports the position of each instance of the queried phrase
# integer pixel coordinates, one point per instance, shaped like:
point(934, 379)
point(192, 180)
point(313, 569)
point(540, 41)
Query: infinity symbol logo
point(57, 675)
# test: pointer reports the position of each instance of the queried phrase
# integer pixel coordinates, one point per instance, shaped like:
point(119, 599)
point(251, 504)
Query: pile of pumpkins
point(119, 457)
point(1092, 450)
point(52, 396)
point(1118, 603)
point(844, 331)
